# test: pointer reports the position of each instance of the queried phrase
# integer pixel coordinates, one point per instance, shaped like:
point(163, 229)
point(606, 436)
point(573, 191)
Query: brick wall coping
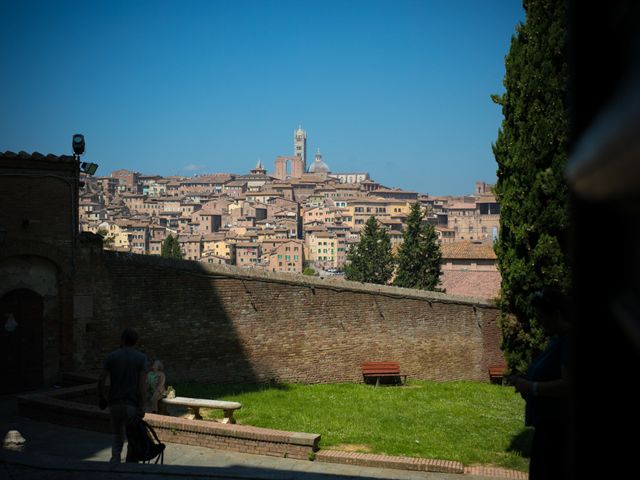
point(59, 401)
point(250, 274)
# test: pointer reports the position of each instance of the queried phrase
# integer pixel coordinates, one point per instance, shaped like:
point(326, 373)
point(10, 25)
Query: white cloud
point(192, 167)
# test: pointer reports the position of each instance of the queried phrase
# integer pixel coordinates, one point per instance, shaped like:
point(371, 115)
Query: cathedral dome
point(318, 166)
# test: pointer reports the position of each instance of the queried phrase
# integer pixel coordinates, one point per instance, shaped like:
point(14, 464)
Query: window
point(295, 257)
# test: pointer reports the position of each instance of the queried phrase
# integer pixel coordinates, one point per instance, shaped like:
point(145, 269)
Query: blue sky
point(400, 89)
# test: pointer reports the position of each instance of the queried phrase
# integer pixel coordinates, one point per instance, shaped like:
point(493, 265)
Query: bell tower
point(300, 146)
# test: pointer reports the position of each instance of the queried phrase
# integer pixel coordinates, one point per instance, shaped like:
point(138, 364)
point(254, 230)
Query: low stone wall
point(61, 407)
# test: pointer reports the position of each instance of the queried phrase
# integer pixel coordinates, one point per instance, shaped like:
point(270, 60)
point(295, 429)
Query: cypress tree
point(419, 256)
point(531, 151)
point(171, 248)
point(370, 261)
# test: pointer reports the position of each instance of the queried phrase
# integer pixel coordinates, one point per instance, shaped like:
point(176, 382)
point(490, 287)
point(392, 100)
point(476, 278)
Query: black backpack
point(143, 443)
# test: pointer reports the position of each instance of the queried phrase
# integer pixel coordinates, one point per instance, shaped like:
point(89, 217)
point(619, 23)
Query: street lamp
point(78, 145)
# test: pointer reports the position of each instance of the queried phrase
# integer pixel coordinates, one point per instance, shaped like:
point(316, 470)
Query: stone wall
point(224, 324)
point(38, 223)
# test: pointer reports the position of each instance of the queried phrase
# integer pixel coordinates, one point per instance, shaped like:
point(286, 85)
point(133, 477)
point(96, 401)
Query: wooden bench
point(497, 373)
point(380, 370)
point(195, 404)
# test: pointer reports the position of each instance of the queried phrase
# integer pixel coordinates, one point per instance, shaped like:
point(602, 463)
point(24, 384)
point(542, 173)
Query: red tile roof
point(468, 250)
point(471, 284)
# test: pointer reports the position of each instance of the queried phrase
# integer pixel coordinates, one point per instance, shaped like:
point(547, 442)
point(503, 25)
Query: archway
point(21, 341)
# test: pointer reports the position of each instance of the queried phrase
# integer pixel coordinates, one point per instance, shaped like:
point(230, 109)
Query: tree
point(370, 260)
point(309, 271)
point(107, 239)
point(531, 152)
point(419, 257)
point(171, 248)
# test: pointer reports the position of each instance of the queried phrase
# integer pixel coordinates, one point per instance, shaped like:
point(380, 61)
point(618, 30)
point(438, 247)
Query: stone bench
point(195, 404)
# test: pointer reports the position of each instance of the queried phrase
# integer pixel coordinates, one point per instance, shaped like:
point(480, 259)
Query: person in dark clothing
point(545, 389)
point(127, 371)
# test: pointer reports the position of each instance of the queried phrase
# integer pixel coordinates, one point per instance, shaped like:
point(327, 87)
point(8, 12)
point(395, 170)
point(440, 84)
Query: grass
point(473, 423)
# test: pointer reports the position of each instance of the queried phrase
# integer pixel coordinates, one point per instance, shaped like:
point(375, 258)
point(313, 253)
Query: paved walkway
point(56, 452)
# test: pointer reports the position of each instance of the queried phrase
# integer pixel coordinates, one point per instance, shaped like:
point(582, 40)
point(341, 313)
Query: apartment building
point(326, 249)
point(286, 256)
point(220, 246)
point(247, 254)
point(191, 246)
point(479, 220)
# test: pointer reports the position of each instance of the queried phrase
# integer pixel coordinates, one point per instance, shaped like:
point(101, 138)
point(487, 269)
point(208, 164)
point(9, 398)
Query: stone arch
point(21, 341)
point(61, 259)
point(31, 283)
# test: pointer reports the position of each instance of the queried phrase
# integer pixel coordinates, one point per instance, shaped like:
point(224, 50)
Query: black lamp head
point(78, 144)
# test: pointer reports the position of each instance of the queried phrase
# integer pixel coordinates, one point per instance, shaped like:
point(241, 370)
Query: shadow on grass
point(217, 391)
point(521, 443)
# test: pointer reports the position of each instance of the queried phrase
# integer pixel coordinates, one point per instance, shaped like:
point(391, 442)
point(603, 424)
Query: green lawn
point(473, 423)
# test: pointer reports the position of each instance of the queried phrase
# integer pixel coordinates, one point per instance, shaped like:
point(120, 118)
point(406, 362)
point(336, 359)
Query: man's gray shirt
point(125, 365)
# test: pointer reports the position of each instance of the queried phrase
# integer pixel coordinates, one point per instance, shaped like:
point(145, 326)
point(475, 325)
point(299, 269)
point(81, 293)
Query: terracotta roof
point(247, 244)
point(236, 183)
point(471, 284)
point(469, 250)
point(392, 190)
point(189, 238)
point(37, 156)
point(323, 234)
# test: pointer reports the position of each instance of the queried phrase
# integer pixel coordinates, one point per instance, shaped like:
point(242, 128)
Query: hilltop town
point(296, 217)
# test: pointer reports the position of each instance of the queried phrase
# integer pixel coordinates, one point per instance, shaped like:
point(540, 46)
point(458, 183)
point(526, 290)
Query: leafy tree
point(419, 257)
point(171, 248)
point(370, 260)
point(531, 152)
point(309, 271)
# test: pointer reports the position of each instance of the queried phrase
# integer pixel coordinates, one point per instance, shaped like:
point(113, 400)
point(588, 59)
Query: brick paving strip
point(415, 464)
point(496, 472)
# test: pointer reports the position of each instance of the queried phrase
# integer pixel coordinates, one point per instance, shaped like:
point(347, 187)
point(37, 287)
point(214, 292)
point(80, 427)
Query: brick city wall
point(223, 324)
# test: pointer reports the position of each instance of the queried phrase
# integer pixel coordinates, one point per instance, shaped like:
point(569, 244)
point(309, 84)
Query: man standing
point(127, 370)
